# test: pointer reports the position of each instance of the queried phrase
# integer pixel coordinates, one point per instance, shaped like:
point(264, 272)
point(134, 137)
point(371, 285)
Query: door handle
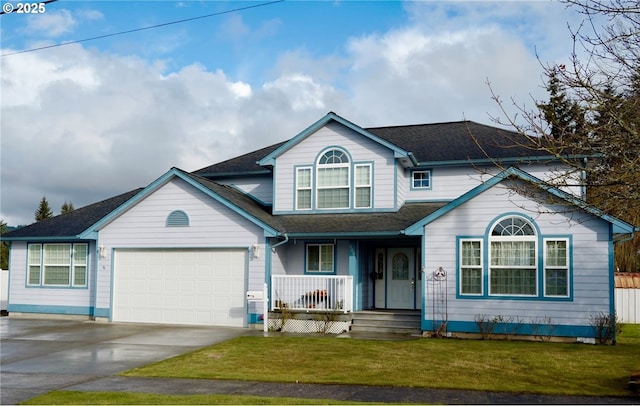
point(413, 284)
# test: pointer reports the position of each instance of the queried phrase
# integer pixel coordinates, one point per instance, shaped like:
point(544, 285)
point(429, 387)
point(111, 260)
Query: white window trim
point(480, 267)
point(368, 185)
point(72, 266)
point(509, 238)
point(428, 172)
point(566, 268)
point(309, 188)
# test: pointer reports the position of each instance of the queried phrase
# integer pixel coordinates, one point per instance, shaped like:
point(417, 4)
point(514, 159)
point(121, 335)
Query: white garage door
point(195, 286)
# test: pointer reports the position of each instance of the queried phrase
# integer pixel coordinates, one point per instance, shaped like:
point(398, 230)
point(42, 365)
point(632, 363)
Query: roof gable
point(269, 159)
point(226, 195)
point(619, 227)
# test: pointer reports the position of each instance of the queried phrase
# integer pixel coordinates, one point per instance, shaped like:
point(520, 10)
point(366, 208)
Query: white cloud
point(53, 23)
point(81, 125)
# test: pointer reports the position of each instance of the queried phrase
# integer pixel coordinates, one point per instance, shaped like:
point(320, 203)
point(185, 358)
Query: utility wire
point(143, 28)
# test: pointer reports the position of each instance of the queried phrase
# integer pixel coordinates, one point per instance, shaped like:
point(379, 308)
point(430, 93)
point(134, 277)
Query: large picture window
point(320, 258)
point(333, 180)
point(514, 260)
point(513, 269)
point(57, 265)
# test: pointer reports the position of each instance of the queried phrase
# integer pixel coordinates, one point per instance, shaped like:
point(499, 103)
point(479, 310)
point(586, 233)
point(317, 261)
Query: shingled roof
point(451, 142)
point(72, 224)
point(456, 141)
point(345, 223)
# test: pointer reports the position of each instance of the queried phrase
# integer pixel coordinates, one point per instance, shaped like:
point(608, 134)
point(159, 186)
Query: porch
point(324, 304)
point(309, 293)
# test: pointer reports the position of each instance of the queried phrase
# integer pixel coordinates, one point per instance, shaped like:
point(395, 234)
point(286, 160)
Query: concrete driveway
point(37, 356)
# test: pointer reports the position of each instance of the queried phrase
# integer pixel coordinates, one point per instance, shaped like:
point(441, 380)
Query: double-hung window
point(303, 188)
point(363, 186)
point(57, 265)
point(514, 260)
point(556, 267)
point(333, 180)
point(320, 258)
point(470, 266)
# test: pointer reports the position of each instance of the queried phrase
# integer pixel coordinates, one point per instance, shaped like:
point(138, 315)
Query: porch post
point(353, 272)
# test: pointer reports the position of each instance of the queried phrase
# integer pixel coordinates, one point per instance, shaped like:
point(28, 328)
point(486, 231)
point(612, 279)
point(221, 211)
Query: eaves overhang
point(502, 161)
point(191, 180)
point(618, 227)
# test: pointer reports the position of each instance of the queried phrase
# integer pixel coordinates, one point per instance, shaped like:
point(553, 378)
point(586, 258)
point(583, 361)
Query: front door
point(400, 278)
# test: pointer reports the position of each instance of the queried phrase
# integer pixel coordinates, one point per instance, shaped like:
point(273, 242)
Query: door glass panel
point(400, 267)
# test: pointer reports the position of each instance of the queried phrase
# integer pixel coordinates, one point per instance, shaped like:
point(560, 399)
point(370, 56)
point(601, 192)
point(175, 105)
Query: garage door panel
point(205, 287)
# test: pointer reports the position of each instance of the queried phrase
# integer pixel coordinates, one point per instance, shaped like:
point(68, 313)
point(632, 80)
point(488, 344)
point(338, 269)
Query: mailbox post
point(254, 296)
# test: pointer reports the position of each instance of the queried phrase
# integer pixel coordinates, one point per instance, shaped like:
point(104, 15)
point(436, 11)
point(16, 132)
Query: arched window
point(333, 175)
point(177, 218)
point(513, 258)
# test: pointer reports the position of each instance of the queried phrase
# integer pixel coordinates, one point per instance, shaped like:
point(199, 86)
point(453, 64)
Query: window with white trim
point(333, 174)
point(421, 179)
point(303, 188)
point(320, 258)
point(556, 267)
point(470, 254)
point(363, 186)
point(513, 258)
point(58, 264)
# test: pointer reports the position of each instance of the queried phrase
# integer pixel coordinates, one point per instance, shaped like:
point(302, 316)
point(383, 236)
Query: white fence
point(312, 293)
point(628, 305)
point(628, 297)
point(4, 289)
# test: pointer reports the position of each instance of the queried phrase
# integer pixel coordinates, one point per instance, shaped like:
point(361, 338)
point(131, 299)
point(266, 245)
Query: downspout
point(286, 240)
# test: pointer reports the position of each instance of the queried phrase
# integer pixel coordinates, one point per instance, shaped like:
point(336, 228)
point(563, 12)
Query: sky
point(95, 118)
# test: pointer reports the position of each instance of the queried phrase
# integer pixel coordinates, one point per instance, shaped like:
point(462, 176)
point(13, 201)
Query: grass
point(511, 366)
point(128, 398)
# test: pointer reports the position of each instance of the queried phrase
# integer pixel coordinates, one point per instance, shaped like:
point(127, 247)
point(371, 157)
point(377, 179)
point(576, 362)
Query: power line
point(143, 28)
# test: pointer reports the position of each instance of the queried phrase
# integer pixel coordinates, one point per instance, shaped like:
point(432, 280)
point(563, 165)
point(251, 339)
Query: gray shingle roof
point(71, 224)
point(358, 223)
point(458, 141)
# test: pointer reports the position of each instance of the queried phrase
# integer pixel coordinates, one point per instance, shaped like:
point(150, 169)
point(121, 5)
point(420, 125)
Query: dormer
point(335, 166)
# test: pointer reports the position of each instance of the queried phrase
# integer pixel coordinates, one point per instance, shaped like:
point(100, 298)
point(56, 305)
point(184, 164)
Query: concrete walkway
point(38, 356)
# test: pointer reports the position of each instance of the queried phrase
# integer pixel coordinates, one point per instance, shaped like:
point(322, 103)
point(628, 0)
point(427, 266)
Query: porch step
point(387, 321)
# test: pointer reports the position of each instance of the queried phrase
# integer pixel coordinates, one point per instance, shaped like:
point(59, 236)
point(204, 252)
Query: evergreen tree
point(44, 211)
point(565, 116)
point(67, 208)
point(4, 247)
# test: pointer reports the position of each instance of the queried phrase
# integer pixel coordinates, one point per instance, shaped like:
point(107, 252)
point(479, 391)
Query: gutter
point(286, 240)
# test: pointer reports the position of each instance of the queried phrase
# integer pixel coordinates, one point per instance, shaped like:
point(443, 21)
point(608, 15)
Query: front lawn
point(533, 367)
point(513, 366)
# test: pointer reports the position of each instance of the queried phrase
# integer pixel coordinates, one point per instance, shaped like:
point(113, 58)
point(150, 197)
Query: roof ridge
point(421, 124)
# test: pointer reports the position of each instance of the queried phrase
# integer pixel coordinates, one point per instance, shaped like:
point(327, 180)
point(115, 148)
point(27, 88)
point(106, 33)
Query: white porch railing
point(313, 293)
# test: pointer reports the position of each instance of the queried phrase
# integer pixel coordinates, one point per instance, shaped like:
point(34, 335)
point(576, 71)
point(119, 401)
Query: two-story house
point(450, 220)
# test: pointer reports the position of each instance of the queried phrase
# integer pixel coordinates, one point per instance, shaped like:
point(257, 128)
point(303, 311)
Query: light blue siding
point(25, 298)
point(212, 225)
point(448, 183)
point(590, 259)
point(359, 149)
